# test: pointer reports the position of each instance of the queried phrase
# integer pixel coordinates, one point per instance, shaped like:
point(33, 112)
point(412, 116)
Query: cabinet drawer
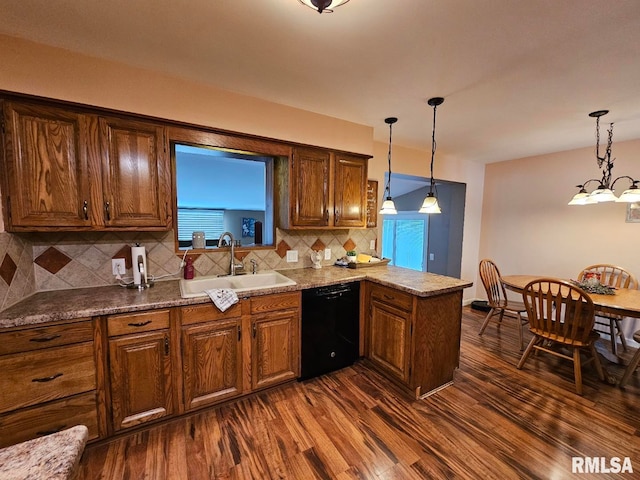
point(43, 375)
point(280, 301)
point(137, 322)
point(46, 336)
point(206, 313)
point(29, 423)
point(391, 296)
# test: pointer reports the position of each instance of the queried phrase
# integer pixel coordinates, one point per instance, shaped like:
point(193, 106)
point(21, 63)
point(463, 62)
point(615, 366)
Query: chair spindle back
point(559, 310)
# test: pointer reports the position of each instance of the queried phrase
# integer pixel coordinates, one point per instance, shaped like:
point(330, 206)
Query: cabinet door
point(135, 174)
point(46, 167)
point(275, 348)
point(390, 345)
point(212, 362)
point(140, 372)
point(350, 191)
point(310, 188)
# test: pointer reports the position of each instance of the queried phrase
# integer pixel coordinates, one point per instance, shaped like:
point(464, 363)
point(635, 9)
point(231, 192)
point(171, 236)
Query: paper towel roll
point(139, 274)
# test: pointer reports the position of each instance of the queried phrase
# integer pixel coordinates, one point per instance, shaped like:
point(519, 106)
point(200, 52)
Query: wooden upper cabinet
point(135, 174)
point(350, 207)
point(310, 188)
point(45, 166)
point(320, 188)
point(70, 169)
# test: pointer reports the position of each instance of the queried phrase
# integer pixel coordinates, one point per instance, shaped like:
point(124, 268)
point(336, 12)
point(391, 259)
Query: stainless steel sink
point(240, 283)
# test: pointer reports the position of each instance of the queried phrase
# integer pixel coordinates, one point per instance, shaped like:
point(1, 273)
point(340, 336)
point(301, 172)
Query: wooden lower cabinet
point(211, 362)
point(49, 380)
point(50, 417)
point(275, 349)
point(140, 371)
point(414, 340)
point(390, 339)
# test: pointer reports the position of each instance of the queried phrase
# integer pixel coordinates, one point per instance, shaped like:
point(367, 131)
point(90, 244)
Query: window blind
point(190, 220)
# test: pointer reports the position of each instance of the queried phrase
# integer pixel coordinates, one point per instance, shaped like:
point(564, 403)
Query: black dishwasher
point(330, 328)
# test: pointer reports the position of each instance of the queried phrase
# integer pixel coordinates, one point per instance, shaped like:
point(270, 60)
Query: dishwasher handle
point(332, 293)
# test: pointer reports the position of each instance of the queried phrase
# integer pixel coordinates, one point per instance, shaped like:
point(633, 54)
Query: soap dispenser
point(189, 271)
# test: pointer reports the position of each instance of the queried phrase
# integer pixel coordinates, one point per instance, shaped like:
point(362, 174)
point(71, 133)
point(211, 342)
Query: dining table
point(624, 301)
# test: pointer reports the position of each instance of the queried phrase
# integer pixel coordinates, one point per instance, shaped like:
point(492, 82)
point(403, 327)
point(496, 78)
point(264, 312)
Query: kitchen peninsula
point(115, 358)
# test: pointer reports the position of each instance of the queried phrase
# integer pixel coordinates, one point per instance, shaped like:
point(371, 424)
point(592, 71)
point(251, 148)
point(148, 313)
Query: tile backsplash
point(56, 261)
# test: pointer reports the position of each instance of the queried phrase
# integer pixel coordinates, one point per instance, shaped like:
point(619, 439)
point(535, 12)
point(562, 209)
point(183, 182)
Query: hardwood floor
point(494, 422)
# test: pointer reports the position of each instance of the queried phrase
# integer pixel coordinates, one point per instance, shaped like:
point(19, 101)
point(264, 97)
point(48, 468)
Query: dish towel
point(222, 297)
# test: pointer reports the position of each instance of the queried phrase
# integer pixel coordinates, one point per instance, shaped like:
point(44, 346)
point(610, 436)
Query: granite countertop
point(49, 306)
point(54, 457)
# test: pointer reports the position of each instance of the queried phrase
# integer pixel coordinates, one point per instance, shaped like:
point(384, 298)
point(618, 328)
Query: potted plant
point(351, 256)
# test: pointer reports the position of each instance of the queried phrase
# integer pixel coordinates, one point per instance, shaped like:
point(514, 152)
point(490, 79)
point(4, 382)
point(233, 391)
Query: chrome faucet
point(233, 265)
point(254, 266)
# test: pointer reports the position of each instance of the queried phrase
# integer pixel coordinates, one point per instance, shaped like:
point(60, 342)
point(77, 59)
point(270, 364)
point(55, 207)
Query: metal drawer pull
point(85, 210)
point(389, 297)
point(47, 379)
point(141, 324)
point(45, 339)
point(53, 430)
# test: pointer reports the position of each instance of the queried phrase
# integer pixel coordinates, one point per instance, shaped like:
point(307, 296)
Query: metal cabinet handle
point(389, 297)
point(239, 333)
point(44, 339)
point(166, 345)
point(140, 324)
point(107, 210)
point(326, 215)
point(47, 379)
point(336, 216)
point(255, 330)
point(85, 210)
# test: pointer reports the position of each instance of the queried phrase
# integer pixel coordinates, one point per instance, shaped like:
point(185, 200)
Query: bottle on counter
point(189, 270)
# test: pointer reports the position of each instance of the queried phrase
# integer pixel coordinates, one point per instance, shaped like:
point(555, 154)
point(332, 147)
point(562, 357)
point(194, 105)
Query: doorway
point(435, 248)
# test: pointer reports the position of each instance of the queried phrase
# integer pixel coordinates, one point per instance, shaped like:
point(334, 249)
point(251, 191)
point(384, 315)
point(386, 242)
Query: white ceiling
point(519, 77)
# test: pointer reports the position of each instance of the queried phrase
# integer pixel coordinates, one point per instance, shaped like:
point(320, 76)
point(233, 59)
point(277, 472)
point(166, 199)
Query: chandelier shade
point(606, 187)
point(323, 5)
point(430, 203)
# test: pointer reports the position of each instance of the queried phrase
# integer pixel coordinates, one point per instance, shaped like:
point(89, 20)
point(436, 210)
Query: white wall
point(528, 228)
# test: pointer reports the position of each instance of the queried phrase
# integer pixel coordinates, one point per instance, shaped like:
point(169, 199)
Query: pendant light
point(605, 190)
point(323, 5)
point(388, 207)
point(430, 204)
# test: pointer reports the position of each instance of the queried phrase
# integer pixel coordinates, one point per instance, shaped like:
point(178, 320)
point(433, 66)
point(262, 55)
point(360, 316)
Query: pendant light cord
point(388, 189)
point(433, 147)
point(389, 121)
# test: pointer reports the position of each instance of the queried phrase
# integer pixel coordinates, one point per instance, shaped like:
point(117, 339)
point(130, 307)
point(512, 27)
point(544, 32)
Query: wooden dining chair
point(561, 314)
point(617, 277)
point(497, 299)
point(633, 364)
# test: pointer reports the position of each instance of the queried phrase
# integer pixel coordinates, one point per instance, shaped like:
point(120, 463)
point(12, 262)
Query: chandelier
point(323, 5)
point(430, 204)
point(605, 190)
point(388, 207)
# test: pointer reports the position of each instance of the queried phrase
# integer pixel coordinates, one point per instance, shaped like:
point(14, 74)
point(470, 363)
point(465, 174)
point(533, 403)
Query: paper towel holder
point(139, 265)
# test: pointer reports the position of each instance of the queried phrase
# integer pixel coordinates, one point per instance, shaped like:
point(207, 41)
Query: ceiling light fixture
point(605, 190)
point(323, 5)
point(388, 207)
point(430, 204)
